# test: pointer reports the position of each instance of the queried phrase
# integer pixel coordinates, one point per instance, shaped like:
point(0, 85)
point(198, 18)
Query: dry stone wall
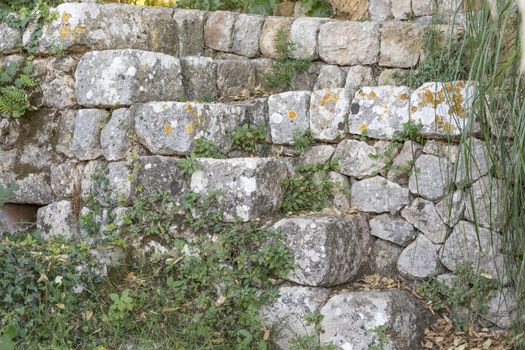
point(133, 92)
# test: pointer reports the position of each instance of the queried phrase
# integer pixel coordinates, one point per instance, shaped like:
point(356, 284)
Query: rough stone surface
point(383, 258)
point(33, 188)
point(442, 149)
point(379, 112)
point(86, 136)
point(235, 78)
point(330, 77)
point(378, 195)
point(318, 154)
point(431, 177)
point(249, 187)
point(327, 250)
point(392, 229)
point(59, 93)
point(451, 208)
point(115, 136)
point(380, 10)
point(190, 31)
point(401, 9)
point(503, 307)
point(78, 27)
point(349, 43)
point(160, 174)
point(400, 44)
point(303, 34)
point(289, 311)
point(271, 26)
point(403, 163)
point(358, 76)
point(328, 112)
point(420, 259)
point(119, 183)
point(65, 177)
point(424, 216)
point(11, 39)
point(171, 128)
point(350, 317)
point(423, 7)
point(246, 35)
point(473, 162)
point(123, 77)
point(199, 77)
point(218, 30)
point(356, 158)
point(484, 200)
point(341, 192)
point(289, 115)
point(57, 219)
point(478, 248)
point(355, 9)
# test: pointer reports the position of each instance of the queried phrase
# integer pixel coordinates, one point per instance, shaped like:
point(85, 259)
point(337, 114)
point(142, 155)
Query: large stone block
point(431, 177)
point(86, 135)
point(158, 174)
point(115, 136)
point(303, 34)
point(289, 115)
point(267, 40)
point(330, 77)
point(392, 229)
point(235, 78)
point(249, 187)
point(57, 219)
point(350, 318)
point(349, 43)
point(327, 250)
point(11, 39)
point(123, 77)
point(246, 35)
point(420, 259)
point(218, 30)
point(200, 78)
point(424, 216)
point(190, 31)
point(358, 159)
point(401, 44)
point(83, 27)
point(378, 195)
point(171, 128)
point(328, 113)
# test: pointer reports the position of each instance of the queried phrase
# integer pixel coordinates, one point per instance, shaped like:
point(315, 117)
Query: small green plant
point(382, 335)
point(7, 337)
point(17, 87)
point(247, 137)
point(206, 149)
point(189, 165)
point(311, 341)
point(318, 8)
point(262, 7)
point(121, 305)
point(303, 141)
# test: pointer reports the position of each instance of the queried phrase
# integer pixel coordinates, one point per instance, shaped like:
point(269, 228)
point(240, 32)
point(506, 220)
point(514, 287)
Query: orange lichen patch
point(80, 30)
point(448, 128)
point(429, 98)
point(460, 84)
point(64, 31)
point(188, 108)
point(404, 97)
point(363, 128)
point(65, 17)
point(362, 93)
point(413, 109)
point(168, 129)
point(329, 100)
point(190, 128)
point(372, 94)
point(292, 115)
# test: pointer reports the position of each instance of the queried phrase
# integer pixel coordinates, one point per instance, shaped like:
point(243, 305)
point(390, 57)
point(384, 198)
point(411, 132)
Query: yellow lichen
point(292, 115)
point(413, 109)
point(329, 100)
point(362, 93)
point(65, 17)
point(80, 30)
point(363, 128)
point(403, 97)
point(168, 129)
point(372, 94)
point(190, 128)
point(64, 31)
point(188, 108)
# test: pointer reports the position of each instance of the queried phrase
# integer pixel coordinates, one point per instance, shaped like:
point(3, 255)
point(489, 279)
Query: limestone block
point(246, 35)
point(218, 30)
point(267, 40)
point(328, 114)
point(289, 115)
point(401, 44)
point(420, 259)
point(57, 219)
point(199, 77)
point(303, 34)
point(115, 136)
point(378, 195)
point(431, 177)
point(86, 135)
point(190, 31)
point(424, 216)
point(392, 229)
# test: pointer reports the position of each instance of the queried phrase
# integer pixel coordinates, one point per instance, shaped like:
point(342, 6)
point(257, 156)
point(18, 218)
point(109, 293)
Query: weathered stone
point(350, 318)
point(473, 162)
point(306, 80)
point(86, 136)
point(356, 158)
point(393, 77)
point(249, 187)
point(380, 10)
point(431, 177)
point(379, 112)
point(115, 136)
point(420, 259)
point(328, 112)
point(479, 248)
point(383, 258)
point(423, 8)
point(355, 10)
point(11, 39)
point(171, 128)
point(119, 183)
point(218, 31)
point(9, 132)
point(484, 203)
point(318, 154)
point(303, 34)
point(263, 66)
point(378, 195)
point(200, 77)
point(246, 35)
point(442, 149)
point(80, 27)
point(289, 115)
point(349, 43)
point(502, 308)
point(392, 229)
point(403, 163)
point(267, 40)
point(157, 174)
point(123, 77)
point(190, 31)
point(401, 9)
point(235, 78)
point(16, 218)
point(57, 219)
point(59, 93)
point(299, 10)
point(65, 179)
point(90, 184)
point(442, 108)
point(341, 192)
point(451, 208)
point(330, 77)
point(358, 76)
point(285, 8)
point(424, 216)
point(327, 250)
point(400, 44)
point(289, 311)
point(33, 188)
point(66, 127)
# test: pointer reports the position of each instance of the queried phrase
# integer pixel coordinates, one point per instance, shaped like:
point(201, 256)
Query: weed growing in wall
point(302, 141)
point(317, 8)
point(17, 87)
point(203, 149)
point(311, 341)
point(262, 7)
point(247, 137)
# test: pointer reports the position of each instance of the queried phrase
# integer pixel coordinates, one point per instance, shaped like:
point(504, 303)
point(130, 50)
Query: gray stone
point(89, 186)
point(330, 77)
point(383, 258)
point(289, 115)
point(341, 192)
point(267, 40)
point(359, 76)
point(81, 27)
point(349, 43)
point(357, 158)
point(123, 77)
point(350, 319)
point(473, 162)
point(159, 174)
point(59, 93)
point(327, 250)
point(394, 77)
point(218, 30)
point(66, 127)
point(11, 39)
point(119, 183)
point(289, 311)
point(190, 31)
point(424, 216)
point(442, 149)
point(115, 136)
point(65, 179)
point(303, 34)
point(246, 35)
point(171, 128)
point(420, 259)
point(423, 8)
point(392, 229)
point(235, 79)
point(306, 80)
point(380, 10)
point(57, 219)
point(378, 195)
point(403, 163)
point(401, 44)
point(317, 154)
point(478, 248)
point(328, 112)
point(249, 187)
point(33, 188)
point(446, 279)
point(401, 9)
point(86, 135)
point(484, 203)
point(379, 112)
point(200, 78)
point(431, 177)
point(503, 307)
point(451, 208)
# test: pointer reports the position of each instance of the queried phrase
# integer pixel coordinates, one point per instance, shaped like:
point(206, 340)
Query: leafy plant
point(121, 305)
point(206, 149)
point(382, 334)
point(318, 8)
point(301, 142)
point(16, 89)
point(189, 165)
point(247, 137)
point(262, 7)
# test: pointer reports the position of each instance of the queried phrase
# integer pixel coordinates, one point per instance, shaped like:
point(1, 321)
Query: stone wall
point(127, 95)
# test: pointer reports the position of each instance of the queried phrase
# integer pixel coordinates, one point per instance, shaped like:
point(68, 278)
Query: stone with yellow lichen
point(328, 113)
point(289, 115)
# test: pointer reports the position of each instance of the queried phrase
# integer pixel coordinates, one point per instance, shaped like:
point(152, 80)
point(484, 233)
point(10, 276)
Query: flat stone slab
point(424, 216)
point(358, 158)
point(57, 219)
point(289, 115)
point(328, 114)
point(378, 195)
point(124, 77)
point(420, 259)
point(392, 229)
point(431, 177)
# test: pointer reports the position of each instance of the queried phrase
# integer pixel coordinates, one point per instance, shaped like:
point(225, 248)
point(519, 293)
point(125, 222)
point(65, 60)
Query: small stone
point(378, 195)
point(34, 188)
point(89, 185)
point(484, 203)
point(502, 308)
point(380, 10)
point(383, 258)
point(393, 77)
point(306, 80)
point(442, 149)
point(349, 43)
point(57, 220)
point(341, 192)
point(473, 162)
point(246, 35)
point(200, 78)
point(190, 31)
point(392, 229)
point(330, 77)
point(235, 78)
point(86, 136)
point(59, 93)
point(423, 8)
point(119, 183)
point(451, 208)
point(401, 44)
point(65, 130)
point(431, 177)
point(65, 179)
point(424, 216)
point(218, 30)
point(318, 154)
point(303, 34)
point(328, 111)
point(402, 9)
point(11, 39)
point(157, 174)
point(403, 163)
point(358, 159)
point(289, 115)
point(420, 259)
point(268, 39)
point(327, 250)
point(115, 136)
point(359, 76)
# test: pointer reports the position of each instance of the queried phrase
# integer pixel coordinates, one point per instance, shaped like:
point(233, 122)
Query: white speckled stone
point(420, 259)
point(378, 195)
point(289, 115)
point(86, 136)
point(115, 136)
point(57, 219)
point(303, 34)
point(328, 113)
